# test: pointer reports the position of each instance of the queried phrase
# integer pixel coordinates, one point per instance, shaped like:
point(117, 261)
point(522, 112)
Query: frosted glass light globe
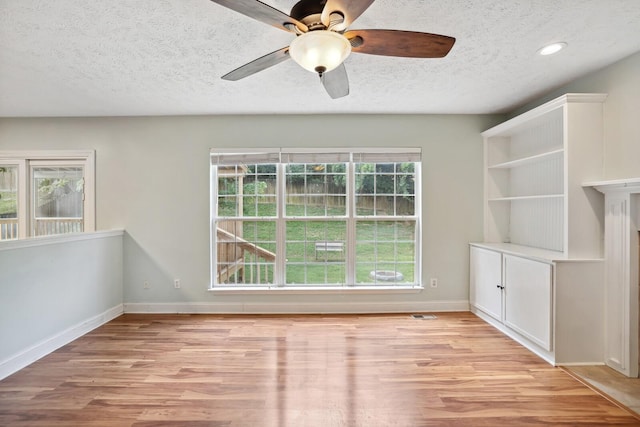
point(320, 51)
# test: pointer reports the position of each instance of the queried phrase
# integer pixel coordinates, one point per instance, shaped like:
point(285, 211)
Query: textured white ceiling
point(166, 57)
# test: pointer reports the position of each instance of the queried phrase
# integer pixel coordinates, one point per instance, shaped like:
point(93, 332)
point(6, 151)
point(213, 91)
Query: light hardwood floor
point(330, 370)
point(623, 390)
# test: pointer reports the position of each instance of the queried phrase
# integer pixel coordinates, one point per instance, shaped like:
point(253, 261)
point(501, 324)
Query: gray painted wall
point(153, 181)
point(48, 289)
point(621, 81)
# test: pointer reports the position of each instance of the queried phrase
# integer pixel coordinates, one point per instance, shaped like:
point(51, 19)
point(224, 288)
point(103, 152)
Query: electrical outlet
point(146, 284)
point(176, 283)
point(434, 282)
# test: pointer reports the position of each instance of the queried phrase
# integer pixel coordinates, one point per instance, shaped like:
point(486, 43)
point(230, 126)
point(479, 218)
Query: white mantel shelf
point(630, 185)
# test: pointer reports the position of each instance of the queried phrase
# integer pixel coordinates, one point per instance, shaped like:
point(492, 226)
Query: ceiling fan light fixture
point(320, 51)
point(552, 48)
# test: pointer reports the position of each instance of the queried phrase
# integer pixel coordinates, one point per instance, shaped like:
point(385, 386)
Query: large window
point(287, 218)
point(46, 193)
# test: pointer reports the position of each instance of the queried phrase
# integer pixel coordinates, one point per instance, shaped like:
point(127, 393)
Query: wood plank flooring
point(623, 390)
point(329, 370)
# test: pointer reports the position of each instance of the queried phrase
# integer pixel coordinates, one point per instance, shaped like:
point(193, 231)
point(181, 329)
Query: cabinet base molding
point(548, 356)
point(543, 354)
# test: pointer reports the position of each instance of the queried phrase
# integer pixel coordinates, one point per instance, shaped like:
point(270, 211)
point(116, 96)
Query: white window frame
point(283, 156)
point(25, 160)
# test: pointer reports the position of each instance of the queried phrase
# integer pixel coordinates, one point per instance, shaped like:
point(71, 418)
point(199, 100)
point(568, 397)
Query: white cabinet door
point(528, 299)
point(485, 292)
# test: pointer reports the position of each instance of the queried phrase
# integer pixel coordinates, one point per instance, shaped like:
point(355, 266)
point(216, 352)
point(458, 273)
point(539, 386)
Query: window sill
point(408, 289)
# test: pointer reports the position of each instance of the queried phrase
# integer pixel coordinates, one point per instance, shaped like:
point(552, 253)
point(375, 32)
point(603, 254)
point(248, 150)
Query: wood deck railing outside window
point(42, 227)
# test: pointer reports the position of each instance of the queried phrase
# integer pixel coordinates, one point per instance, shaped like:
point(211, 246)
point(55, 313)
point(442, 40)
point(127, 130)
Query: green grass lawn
point(380, 245)
point(8, 204)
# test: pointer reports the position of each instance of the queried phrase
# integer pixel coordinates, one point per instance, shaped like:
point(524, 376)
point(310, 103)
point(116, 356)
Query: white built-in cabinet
point(485, 293)
point(528, 294)
point(552, 306)
point(538, 275)
point(514, 291)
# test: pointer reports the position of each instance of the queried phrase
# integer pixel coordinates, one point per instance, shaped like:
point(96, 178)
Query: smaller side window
point(46, 193)
point(57, 190)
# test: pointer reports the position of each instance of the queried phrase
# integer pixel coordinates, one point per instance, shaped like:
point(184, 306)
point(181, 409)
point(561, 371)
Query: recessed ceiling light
point(552, 48)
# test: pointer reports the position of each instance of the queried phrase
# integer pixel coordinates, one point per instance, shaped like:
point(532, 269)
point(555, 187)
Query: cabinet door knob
point(500, 287)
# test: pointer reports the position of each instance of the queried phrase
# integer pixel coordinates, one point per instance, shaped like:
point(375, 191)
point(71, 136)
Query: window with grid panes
point(45, 193)
point(303, 219)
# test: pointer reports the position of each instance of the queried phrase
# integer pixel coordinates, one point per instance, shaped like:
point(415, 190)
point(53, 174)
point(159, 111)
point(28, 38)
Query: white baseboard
point(298, 308)
point(26, 357)
point(548, 356)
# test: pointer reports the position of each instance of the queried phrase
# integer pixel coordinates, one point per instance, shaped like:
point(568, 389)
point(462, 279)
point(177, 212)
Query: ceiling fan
point(322, 41)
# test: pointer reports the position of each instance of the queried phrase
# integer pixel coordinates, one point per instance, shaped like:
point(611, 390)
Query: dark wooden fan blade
point(409, 44)
point(350, 9)
point(336, 82)
point(262, 63)
point(263, 13)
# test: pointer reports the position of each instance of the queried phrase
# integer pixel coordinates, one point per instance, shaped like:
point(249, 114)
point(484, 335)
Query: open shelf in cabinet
point(543, 177)
point(528, 160)
point(536, 221)
point(525, 142)
point(531, 164)
point(536, 197)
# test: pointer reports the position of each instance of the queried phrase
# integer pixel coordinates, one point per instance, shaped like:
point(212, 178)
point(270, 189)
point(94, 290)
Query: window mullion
point(418, 221)
point(350, 257)
point(281, 227)
point(213, 224)
point(23, 199)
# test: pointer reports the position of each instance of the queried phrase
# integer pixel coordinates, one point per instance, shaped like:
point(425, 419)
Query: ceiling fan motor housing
point(306, 9)
point(309, 12)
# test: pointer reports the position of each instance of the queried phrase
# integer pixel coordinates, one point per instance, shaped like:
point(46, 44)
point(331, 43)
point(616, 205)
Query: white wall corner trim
point(298, 308)
point(622, 222)
point(18, 361)
point(56, 239)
